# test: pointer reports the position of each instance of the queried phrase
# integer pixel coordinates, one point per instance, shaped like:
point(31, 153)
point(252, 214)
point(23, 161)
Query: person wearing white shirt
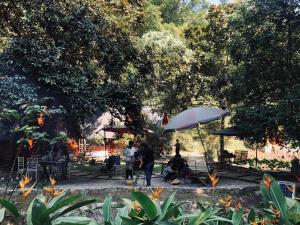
point(129, 154)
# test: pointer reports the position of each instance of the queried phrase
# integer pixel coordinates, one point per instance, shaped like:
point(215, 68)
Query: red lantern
point(165, 119)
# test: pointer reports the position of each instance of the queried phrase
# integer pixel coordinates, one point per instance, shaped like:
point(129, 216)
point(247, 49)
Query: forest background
point(92, 56)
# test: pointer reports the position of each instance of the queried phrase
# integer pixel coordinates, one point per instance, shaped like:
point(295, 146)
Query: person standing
point(177, 147)
point(129, 154)
point(147, 162)
point(161, 149)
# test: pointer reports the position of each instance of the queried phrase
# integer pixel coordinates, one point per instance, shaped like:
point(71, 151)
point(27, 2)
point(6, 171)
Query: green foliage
point(169, 54)
point(170, 84)
point(263, 50)
point(274, 209)
point(22, 125)
point(15, 90)
point(179, 12)
point(269, 164)
point(8, 206)
point(42, 212)
point(73, 49)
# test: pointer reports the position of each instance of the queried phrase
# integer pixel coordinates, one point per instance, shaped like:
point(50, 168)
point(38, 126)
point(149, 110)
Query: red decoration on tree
point(165, 119)
point(40, 119)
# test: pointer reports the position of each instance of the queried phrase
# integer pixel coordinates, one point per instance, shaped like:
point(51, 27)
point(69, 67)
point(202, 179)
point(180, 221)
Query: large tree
point(266, 83)
point(210, 43)
point(74, 50)
point(171, 85)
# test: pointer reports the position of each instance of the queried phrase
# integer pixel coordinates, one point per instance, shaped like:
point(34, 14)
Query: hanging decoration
point(165, 119)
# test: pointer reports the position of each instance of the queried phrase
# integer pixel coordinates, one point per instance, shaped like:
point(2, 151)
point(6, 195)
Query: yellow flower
point(56, 193)
point(48, 189)
point(253, 222)
point(136, 206)
point(52, 181)
point(26, 180)
point(262, 222)
point(46, 200)
point(26, 193)
point(22, 185)
point(276, 214)
point(267, 181)
point(226, 201)
point(155, 195)
point(238, 206)
point(213, 179)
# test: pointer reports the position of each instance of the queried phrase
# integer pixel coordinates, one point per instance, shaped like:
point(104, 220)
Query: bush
point(53, 207)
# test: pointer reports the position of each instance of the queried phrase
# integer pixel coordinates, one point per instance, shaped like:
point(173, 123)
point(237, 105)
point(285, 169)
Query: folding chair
point(287, 188)
point(21, 166)
point(118, 170)
point(32, 167)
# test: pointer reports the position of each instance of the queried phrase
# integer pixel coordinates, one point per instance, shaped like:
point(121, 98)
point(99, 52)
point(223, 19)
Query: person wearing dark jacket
point(147, 162)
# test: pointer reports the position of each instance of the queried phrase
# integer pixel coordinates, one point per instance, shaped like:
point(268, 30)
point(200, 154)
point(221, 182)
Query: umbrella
point(192, 117)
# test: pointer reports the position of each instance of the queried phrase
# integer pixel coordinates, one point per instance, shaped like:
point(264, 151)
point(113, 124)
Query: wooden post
point(222, 141)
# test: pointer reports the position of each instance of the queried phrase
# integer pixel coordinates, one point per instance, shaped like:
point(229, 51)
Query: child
point(169, 173)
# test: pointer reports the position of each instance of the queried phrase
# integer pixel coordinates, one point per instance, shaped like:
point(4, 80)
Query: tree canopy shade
point(265, 79)
point(97, 55)
point(172, 82)
point(71, 48)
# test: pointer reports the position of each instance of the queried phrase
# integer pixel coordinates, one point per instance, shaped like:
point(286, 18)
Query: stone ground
point(81, 183)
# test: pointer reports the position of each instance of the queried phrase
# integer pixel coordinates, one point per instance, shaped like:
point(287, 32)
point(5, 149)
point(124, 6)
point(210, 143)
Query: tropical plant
point(270, 164)
point(144, 209)
point(53, 208)
point(47, 209)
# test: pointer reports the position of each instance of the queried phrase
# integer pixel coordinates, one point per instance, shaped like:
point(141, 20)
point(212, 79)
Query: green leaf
point(158, 209)
point(206, 216)
point(2, 214)
point(122, 213)
point(201, 207)
point(265, 191)
point(74, 220)
point(56, 205)
point(166, 205)
point(293, 204)
point(127, 202)
point(147, 204)
point(251, 216)
point(73, 207)
point(106, 208)
point(36, 207)
point(10, 207)
point(278, 199)
point(128, 221)
point(237, 217)
point(166, 223)
point(294, 217)
point(58, 198)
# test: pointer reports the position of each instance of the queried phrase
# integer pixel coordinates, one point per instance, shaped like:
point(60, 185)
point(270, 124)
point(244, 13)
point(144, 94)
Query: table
point(162, 162)
point(62, 167)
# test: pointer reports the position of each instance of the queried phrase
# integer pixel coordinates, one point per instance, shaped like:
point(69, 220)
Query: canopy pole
point(222, 145)
point(256, 158)
point(105, 143)
point(202, 142)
